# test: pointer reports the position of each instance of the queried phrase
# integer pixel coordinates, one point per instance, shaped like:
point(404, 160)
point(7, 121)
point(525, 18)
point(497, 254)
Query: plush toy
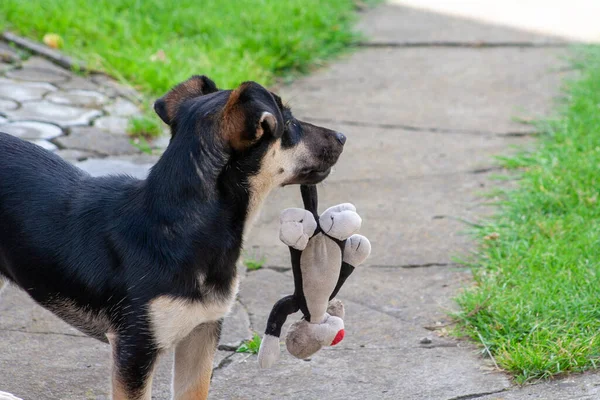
point(324, 251)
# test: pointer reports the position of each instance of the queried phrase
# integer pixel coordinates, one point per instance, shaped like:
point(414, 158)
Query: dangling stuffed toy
point(324, 251)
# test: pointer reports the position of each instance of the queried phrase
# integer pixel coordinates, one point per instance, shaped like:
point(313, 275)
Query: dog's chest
point(173, 318)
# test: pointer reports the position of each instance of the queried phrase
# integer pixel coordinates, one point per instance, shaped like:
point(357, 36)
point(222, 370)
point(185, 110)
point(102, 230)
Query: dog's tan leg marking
point(194, 357)
point(119, 390)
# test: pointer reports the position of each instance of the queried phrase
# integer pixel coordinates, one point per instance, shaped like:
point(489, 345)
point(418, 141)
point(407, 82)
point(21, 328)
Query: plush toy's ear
point(250, 113)
point(198, 85)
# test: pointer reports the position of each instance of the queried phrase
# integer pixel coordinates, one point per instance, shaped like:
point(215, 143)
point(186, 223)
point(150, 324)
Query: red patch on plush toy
point(338, 338)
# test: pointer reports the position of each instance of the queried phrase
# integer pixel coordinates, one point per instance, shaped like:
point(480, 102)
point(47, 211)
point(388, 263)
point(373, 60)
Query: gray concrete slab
point(575, 387)
point(92, 139)
point(99, 167)
point(380, 357)
point(465, 89)
point(43, 358)
point(395, 23)
point(409, 222)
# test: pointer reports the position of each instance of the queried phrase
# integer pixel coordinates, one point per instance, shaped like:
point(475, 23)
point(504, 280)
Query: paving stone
point(466, 89)
point(24, 91)
point(6, 67)
point(161, 142)
point(75, 155)
point(37, 74)
point(92, 139)
point(8, 54)
point(392, 23)
point(114, 125)
point(3, 120)
point(107, 166)
point(45, 144)
point(78, 83)
point(46, 111)
point(6, 104)
point(32, 130)
point(236, 327)
point(138, 158)
point(122, 108)
point(43, 63)
point(114, 89)
point(83, 98)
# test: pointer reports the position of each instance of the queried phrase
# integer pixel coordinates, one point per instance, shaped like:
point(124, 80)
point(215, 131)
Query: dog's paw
point(340, 221)
point(268, 353)
point(356, 250)
point(297, 227)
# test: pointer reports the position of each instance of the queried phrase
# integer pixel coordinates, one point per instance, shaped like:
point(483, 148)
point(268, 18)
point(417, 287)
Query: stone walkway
point(425, 105)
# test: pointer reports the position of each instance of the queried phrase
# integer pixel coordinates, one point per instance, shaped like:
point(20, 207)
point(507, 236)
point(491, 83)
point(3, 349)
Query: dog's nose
point(340, 138)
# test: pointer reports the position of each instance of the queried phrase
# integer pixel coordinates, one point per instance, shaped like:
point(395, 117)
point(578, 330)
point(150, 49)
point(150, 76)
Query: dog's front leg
point(194, 357)
point(133, 360)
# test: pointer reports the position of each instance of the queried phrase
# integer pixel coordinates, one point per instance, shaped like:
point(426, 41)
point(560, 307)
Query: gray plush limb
point(296, 227)
point(340, 221)
point(356, 250)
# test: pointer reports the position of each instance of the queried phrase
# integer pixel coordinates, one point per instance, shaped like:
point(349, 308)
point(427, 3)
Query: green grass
point(536, 301)
point(250, 346)
point(144, 127)
point(254, 264)
point(155, 44)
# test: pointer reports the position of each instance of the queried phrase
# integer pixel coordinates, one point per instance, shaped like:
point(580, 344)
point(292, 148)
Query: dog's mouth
point(309, 176)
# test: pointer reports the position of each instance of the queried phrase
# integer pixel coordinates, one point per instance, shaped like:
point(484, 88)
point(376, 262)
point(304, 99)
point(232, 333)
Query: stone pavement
point(425, 104)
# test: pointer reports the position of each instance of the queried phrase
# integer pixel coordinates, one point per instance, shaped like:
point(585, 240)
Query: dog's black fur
point(98, 251)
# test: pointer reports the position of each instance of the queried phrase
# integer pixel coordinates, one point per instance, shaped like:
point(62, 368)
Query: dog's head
point(249, 130)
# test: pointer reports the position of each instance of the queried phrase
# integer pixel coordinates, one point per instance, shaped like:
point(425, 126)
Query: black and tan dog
point(151, 264)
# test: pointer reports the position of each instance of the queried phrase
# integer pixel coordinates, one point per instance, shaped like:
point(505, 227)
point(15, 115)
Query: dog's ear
point(250, 113)
point(198, 85)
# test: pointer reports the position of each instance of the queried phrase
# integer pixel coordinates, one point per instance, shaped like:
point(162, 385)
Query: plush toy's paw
point(305, 339)
point(300, 341)
point(269, 351)
point(297, 226)
point(357, 250)
point(336, 308)
point(340, 221)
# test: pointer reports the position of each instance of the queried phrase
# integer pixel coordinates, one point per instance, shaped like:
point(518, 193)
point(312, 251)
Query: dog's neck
point(204, 182)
